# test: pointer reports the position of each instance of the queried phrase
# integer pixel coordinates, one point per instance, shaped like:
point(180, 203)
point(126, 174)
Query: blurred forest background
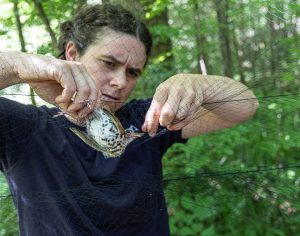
point(241, 181)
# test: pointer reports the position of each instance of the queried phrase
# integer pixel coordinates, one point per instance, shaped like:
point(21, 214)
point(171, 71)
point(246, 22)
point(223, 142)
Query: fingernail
point(170, 128)
point(162, 124)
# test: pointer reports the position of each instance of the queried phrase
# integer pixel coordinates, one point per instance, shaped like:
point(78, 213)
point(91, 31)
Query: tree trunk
point(240, 25)
point(239, 58)
point(275, 50)
point(224, 35)
point(22, 41)
point(273, 55)
point(19, 26)
point(201, 41)
point(294, 27)
point(254, 55)
point(39, 7)
point(283, 48)
point(162, 47)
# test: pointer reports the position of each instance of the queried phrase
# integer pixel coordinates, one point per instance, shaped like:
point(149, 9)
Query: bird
point(105, 133)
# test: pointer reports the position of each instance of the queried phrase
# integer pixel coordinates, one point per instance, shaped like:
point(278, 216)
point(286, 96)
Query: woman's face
point(115, 62)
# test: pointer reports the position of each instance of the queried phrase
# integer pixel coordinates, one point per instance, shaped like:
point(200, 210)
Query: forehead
point(124, 47)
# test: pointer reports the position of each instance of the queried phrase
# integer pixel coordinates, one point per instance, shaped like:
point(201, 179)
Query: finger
point(66, 80)
point(169, 110)
point(153, 114)
point(89, 107)
point(84, 89)
point(152, 117)
point(184, 109)
point(64, 107)
point(94, 94)
point(187, 104)
point(91, 102)
point(179, 124)
point(144, 126)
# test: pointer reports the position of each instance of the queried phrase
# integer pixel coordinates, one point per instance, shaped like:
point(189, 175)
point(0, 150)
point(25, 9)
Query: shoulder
point(11, 106)
point(16, 116)
point(13, 112)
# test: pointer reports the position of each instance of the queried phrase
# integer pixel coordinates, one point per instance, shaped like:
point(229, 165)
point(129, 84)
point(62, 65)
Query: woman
point(60, 185)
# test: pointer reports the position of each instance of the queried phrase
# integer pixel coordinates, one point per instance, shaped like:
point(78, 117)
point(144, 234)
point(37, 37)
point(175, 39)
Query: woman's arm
point(226, 103)
point(8, 76)
point(199, 104)
point(54, 80)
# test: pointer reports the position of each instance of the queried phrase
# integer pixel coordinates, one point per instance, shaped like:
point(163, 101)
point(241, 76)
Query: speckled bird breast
point(105, 133)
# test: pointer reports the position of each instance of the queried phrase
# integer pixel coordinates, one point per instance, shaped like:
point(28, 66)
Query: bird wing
point(88, 140)
point(116, 121)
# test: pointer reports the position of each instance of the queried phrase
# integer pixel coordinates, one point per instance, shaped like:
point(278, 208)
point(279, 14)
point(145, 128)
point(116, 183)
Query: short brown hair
point(91, 19)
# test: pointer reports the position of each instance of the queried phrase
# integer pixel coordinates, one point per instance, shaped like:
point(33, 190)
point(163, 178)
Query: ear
point(71, 52)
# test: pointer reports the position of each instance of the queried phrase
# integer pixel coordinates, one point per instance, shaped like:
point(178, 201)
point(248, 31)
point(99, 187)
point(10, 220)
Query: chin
point(111, 107)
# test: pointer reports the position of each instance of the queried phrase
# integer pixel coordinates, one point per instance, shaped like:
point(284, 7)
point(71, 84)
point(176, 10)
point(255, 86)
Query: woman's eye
point(133, 74)
point(109, 63)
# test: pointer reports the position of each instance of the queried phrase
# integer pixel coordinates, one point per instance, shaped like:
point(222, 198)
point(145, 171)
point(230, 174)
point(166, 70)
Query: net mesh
point(240, 180)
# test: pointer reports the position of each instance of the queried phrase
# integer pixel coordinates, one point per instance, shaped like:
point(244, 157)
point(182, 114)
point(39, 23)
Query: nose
point(119, 79)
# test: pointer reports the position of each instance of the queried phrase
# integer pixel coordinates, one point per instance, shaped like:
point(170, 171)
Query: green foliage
point(154, 8)
point(8, 222)
point(212, 200)
point(46, 50)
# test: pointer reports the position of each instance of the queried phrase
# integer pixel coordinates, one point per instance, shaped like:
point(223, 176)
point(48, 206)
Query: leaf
point(288, 77)
point(209, 231)
point(3, 32)
point(274, 232)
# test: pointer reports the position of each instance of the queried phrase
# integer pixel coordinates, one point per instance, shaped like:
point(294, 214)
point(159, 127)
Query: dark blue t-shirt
point(61, 186)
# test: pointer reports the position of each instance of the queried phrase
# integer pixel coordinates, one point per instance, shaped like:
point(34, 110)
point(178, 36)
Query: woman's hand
point(174, 103)
point(66, 84)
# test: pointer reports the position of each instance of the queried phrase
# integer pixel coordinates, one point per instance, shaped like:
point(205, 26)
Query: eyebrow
point(115, 60)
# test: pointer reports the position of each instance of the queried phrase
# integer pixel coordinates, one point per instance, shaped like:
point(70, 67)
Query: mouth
point(109, 98)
